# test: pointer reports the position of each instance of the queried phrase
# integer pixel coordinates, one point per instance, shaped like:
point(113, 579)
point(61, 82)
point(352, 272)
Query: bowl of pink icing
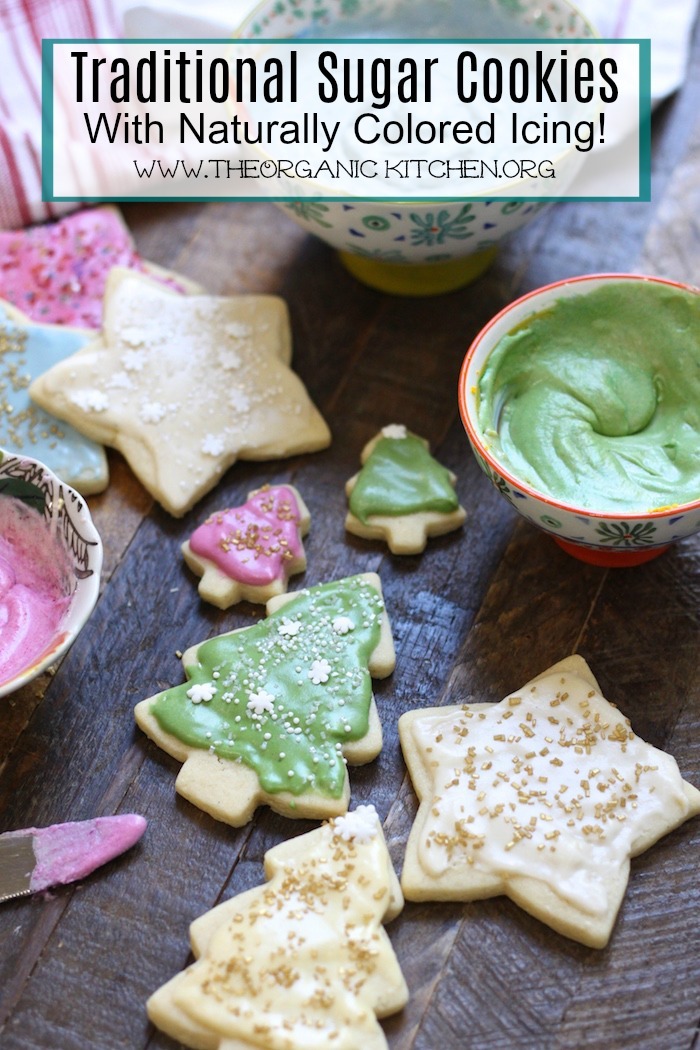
point(50, 561)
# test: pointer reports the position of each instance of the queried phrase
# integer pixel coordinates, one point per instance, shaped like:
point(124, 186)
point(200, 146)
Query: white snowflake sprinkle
point(289, 628)
point(133, 335)
point(395, 431)
point(91, 400)
point(212, 445)
point(260, 702)
point(133, 360)
point(238, 330)
point(239, 401)
point(319, 671)
point(343, 624)
point(152, 411)
point(202, 693)
point(361, 825)
point(120, 381)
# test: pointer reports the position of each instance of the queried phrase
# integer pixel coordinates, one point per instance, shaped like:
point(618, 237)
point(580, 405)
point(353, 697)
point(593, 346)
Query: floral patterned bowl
point(403, 248)
point(596, 537)
point(38, 507)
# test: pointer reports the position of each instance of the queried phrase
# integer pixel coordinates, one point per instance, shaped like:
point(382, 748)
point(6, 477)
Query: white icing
point(550, 783)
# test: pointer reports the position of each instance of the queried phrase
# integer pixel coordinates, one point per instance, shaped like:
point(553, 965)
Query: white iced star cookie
point(543, 797)
point(185, 385)
point(272, 714)
point(402, 495)
point(302, 962)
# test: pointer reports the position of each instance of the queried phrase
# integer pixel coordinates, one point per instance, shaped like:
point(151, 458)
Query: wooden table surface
point(480, 612)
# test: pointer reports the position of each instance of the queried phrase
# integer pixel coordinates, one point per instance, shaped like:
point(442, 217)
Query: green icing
point(596, 401)
point(296, 746)
point(401, 477)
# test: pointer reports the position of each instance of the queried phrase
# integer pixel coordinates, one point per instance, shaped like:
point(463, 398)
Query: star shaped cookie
point(302, 962)
point(26, 351)
point(184, 386)
point(543, 797)
point(56, 272)
point(402, 495)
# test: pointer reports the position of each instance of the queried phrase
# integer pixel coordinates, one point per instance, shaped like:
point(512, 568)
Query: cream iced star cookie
point(248, 553)
point(543, 797)
point(27, 350)
point(401, 495)
point(184, 386)
point(302, 962)
point(56, 273)
point(271, 714)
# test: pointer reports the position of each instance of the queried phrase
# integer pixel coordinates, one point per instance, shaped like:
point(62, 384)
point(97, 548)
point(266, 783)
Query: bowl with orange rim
point(581, 402)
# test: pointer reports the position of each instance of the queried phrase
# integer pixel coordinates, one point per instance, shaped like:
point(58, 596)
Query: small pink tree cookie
point(248, 553)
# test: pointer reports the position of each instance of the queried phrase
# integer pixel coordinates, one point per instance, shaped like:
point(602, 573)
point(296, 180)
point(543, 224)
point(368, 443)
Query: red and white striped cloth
point(23, 25)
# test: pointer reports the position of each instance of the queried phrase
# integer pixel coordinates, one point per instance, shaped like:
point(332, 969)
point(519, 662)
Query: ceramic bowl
point(66, 515)
point(599, 538)
point(404, 248)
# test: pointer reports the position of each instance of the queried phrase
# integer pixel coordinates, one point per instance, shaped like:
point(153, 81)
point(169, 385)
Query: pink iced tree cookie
point(248, 553)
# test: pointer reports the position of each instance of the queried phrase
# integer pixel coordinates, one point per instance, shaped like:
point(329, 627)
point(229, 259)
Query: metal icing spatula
point(36, 858)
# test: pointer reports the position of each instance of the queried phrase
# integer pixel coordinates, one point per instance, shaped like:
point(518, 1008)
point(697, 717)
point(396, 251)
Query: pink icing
point(253, 543)
point(56, 273)
point(66, 852)
point(34, 587)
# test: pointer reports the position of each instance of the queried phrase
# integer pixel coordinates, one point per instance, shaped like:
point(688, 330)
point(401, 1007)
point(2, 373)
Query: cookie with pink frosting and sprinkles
point(248, 553)
point(56, 273)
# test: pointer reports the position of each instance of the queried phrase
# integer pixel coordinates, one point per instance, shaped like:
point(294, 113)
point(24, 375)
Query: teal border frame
point(47, 121)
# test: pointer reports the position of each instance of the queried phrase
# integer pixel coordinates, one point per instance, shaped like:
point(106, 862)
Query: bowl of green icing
point(581, 401)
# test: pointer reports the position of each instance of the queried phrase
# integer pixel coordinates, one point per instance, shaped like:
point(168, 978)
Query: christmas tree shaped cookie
point(543, 797)
point(301, 963)
point(401, 495)
point(184, 385)
point(248, 553)
point(271, 713)
point(26, 351)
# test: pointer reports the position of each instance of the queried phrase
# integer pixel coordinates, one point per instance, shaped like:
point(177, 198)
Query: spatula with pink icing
point(34, 859)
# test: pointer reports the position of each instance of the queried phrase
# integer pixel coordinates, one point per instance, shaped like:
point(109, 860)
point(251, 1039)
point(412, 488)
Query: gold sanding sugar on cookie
point(271, 714)
point(402, 495)
point(302, 962)
point(248, 553)
point(543, 797)
point(184, 386)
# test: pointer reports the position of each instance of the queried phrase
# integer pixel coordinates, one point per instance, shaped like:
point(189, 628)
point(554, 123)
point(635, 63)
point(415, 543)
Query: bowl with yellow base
point(420, 248)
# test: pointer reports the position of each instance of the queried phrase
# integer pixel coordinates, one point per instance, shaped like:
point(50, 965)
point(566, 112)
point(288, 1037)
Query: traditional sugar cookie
point(401, 495)
point(248, 553)
point(185, 385)
point(302, 962)
point(27, 350)
point(543, 797)
point(272, 713)
point(56, 273)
